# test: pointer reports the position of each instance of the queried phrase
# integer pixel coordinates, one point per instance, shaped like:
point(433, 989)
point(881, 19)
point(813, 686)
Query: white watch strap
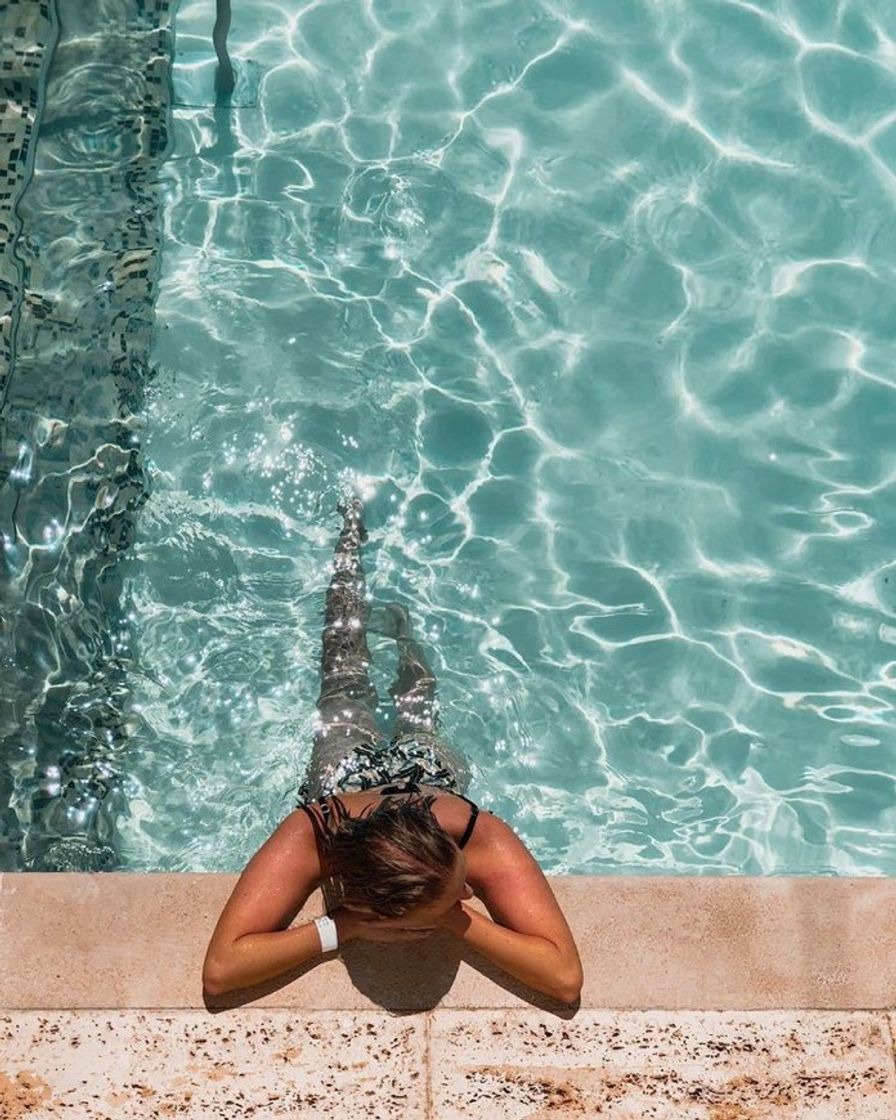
point(327, 932)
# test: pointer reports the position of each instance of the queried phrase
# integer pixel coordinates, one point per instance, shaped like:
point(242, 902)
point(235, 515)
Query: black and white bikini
point(420, 759)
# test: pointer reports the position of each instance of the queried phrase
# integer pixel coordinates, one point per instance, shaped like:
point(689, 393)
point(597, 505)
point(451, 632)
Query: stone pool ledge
point(705, 999)
point(137, 941)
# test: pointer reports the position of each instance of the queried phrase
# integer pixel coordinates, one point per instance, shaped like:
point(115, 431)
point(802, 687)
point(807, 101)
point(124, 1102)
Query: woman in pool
point(385, 828)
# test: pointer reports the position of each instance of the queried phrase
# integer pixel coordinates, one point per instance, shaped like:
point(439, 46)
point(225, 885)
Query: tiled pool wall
point(26, 37)
point(26, 32)
point(78, 268)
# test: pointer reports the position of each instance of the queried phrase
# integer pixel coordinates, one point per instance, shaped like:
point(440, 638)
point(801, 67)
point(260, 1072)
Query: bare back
point(456, 814)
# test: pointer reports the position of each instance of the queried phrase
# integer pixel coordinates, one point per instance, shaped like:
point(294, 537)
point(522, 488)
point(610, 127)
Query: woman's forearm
point(534, 960)
point(257, 957)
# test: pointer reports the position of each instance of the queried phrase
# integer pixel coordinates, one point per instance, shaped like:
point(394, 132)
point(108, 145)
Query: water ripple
point(595, 303)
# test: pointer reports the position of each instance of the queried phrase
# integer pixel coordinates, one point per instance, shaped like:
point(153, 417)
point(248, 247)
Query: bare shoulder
point(508, 879)
point(496, 848)
point(275, 882)
point(489, 832)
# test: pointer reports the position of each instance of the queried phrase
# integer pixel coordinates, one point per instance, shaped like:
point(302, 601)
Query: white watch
point(327, 932)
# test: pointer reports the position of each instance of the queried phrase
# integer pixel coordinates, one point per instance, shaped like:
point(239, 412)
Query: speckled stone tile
point(121, 1065)
point(663, 1066)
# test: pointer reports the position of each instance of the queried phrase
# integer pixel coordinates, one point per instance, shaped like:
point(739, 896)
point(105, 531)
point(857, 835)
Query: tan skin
point(527, 934)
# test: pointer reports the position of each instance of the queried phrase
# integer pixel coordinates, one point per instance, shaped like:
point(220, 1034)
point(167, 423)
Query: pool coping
point(136, 940)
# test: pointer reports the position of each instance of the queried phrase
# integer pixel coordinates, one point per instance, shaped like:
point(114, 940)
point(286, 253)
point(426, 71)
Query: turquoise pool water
point(595, 303)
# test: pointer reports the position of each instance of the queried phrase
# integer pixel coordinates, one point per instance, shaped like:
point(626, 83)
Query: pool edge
point(132, 940)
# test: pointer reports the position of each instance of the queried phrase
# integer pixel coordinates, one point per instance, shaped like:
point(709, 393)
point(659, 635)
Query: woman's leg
point(414, 687)
point(414, 693)
point(347, 702)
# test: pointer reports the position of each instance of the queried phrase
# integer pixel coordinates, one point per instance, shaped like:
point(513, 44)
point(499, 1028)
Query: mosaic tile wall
point(77, 284)
point(26, 32)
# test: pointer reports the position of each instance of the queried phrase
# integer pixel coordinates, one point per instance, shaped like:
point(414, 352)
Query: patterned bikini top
point(332, 808)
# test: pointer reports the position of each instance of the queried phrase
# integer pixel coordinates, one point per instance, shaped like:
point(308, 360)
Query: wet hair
point(392, 858)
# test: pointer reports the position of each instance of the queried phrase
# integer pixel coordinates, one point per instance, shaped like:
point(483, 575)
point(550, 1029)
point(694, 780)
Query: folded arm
point(251, 943)
point(256, 957)
point(536, 961)
point(527, 934)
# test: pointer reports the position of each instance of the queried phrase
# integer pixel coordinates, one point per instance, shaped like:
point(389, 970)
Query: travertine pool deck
point(705, 999)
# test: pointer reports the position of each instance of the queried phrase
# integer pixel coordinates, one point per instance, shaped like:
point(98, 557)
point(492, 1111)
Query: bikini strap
point(327, 809)
point(333, 807)
point(471, 823)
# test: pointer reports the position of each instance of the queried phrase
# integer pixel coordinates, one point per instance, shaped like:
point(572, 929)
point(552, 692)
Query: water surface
point(595, 304)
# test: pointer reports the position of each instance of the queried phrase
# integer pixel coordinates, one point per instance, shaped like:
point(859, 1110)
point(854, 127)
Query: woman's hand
point(354, 925)
point(456, 920)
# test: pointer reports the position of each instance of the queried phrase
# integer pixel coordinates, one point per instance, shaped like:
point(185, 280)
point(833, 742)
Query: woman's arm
point(251, 943)
point(529, 937)
point(256, 957)
point(534, 960)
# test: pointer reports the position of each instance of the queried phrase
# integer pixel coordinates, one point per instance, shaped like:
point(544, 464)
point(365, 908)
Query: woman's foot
point(392, 621)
